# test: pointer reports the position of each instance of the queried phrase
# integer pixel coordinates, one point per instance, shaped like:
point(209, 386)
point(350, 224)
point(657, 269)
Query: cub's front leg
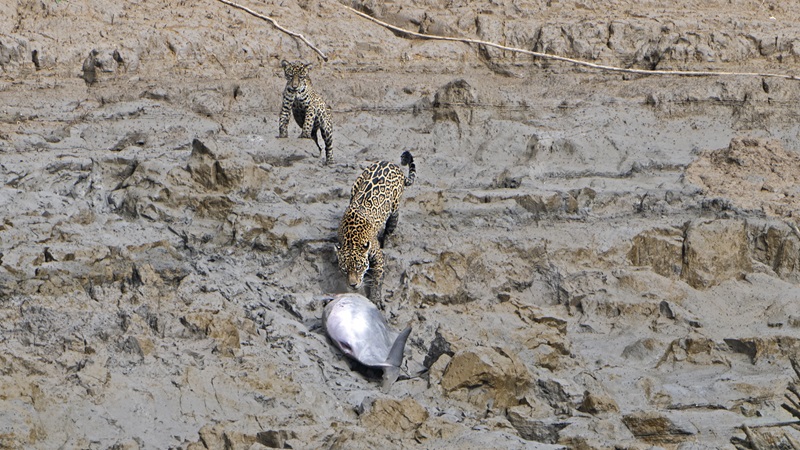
point(283, 119)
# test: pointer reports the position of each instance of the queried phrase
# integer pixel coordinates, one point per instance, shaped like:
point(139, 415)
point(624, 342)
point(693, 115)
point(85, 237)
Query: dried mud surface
point(588, 259)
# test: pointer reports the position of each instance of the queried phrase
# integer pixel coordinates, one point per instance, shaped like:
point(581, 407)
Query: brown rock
point(220, 169)
point(641, 349)
point(274, 438)
point(212, 436)
point(740, 173)
point(398, 416)
point(777, 247)
point(659, 248)
point(715, 251)
point(219, 326)
point(451, 98)
point(484, 375)
point(535, 424)
point(598, 403)
point(656, 428)
point(445, 280)
point(436, 428)
point(701, 351)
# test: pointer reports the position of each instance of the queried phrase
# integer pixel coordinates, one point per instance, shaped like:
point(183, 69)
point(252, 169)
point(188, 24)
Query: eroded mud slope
point(588, 259)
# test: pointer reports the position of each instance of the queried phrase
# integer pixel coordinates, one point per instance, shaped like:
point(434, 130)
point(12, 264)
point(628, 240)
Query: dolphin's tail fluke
point(392, 369)
point(390, 375)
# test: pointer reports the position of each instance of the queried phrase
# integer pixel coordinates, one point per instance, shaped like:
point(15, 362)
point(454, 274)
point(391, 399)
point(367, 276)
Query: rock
point(494, 439)
point(212, 436)
point(451, 98)
point(445, 280)
point(10, 13)
point(656, 428)
point(221, 170)
point(764, 349)
point(206, 169)
point(715, 251)
point(457, 92)
point(128, 444)
point(598, 403)
point(275, 439)
point(661, 249)
point(14, 51)
point(216, 325)
point(238, 440)
point(439, 346)
point(642, 349)
point(132, 138)
point(776, 246)
point(396, 416)
point(208, 103)
point(647, 284)
point(557, 394)
point(534, 426)
point(100, 62)
point(695, 351)
point(485, 376)
point(741, 170)
point(586, 433)
point(437, 428)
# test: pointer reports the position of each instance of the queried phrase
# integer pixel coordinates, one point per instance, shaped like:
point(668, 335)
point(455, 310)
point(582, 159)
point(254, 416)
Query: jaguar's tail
point(407, 160)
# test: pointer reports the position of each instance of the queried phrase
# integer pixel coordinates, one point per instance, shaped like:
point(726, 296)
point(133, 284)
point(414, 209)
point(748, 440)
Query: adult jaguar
point(374, 203)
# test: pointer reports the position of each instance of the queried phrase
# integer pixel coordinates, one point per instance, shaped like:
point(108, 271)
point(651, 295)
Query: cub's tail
point(407, 160)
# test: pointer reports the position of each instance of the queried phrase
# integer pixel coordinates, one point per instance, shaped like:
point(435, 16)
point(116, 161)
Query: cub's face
point(296, 73)
point(354, 261)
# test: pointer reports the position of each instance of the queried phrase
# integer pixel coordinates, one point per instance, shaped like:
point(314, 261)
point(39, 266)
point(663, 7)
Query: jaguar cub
point(309, 110)
point(374, 201)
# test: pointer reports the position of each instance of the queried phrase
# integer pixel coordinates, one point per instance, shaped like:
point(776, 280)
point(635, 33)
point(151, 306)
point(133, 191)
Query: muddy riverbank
point(588, 259)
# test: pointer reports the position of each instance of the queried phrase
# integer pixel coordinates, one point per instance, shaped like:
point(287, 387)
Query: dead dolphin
point(355, 325)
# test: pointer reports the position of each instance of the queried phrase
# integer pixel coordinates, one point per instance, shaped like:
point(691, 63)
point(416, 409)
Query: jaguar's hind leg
point(391, 224)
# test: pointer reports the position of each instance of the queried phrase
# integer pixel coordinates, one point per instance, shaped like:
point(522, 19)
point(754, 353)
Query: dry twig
point(797, 232)
point(690, 73)
point(756, 443)
point(793, 407)
point(775, 424)
point(275, 24)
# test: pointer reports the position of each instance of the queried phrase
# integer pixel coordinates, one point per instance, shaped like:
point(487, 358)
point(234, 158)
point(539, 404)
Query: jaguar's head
point(354, 246)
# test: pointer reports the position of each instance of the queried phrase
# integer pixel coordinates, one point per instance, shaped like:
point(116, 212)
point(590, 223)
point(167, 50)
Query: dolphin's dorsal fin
point(392, 369)
point(396, 353)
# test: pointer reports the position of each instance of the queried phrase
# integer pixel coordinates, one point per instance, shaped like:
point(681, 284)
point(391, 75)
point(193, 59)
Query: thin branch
point(690, 73)
point(797, 232)
point(275, 24)
point(755, 440)
point(792, 410)
point(775, 424)
point(792, 441)
point(793, 390)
